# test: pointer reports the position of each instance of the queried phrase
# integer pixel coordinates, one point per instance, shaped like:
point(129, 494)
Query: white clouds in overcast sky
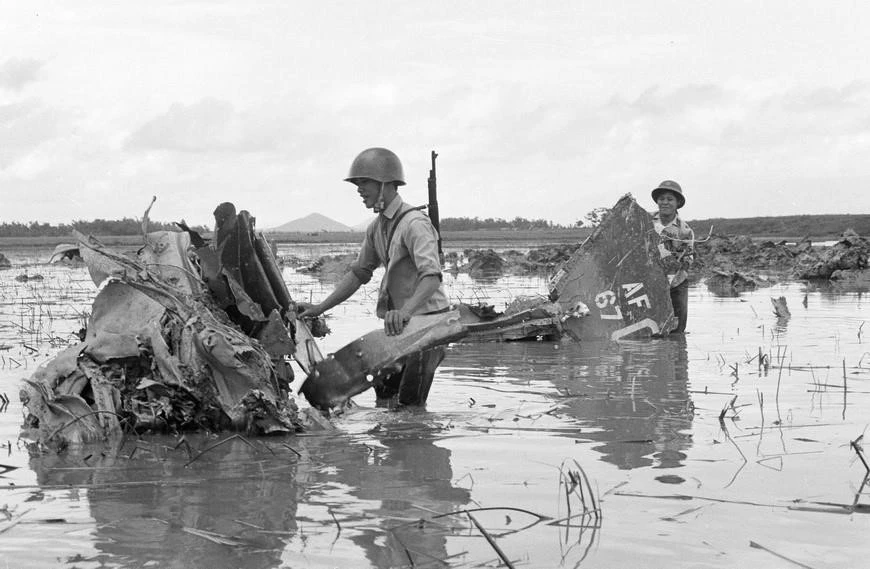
point(539, 109)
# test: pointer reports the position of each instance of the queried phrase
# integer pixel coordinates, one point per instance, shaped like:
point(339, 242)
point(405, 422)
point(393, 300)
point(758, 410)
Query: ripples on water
point(686, 474)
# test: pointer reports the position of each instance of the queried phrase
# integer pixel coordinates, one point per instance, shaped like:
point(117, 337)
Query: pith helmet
point(377, 164)
point(673, 187)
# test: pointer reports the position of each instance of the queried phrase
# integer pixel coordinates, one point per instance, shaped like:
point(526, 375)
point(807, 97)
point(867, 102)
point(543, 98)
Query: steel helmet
point(674, 188)
point(377, 164)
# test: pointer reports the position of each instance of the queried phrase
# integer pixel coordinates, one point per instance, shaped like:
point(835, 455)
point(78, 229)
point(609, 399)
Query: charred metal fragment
point(162, 352)
point(353, 369)
point(617, 275)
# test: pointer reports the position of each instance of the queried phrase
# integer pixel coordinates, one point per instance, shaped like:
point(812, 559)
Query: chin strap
point(379, 205)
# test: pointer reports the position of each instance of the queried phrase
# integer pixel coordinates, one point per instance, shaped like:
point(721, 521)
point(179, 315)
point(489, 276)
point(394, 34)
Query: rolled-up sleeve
point(422, 244)
point(367, 260)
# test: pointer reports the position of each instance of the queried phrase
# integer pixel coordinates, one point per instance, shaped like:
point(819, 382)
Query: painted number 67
point(605, 299)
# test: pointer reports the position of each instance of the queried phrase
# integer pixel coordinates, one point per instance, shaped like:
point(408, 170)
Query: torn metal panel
point(526, 318)
point(157, 357)
point(100, 267)
point(243, 278)
point(69, 414)
point(240, 265)
point(617, 275)
point(528, 324)
point(166, 253)
point(307, 353)
point(266, 258)
point(120, 320)
point(351, 370)
point(274, 337)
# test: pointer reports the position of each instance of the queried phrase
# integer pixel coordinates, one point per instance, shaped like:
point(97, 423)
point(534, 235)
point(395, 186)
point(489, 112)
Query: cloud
point(24, 126)
point(852, 95)
point(15, 73)
point(663, 103)
point(210, 125)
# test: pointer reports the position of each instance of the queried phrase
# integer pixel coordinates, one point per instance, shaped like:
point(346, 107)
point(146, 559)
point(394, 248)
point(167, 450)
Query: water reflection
point(409, 476)
point(630, 397)
point(635, 396)
point(149, 508)
point(261, 503)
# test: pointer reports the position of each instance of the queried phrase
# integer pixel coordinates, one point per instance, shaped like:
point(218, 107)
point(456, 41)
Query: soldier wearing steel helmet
point(676, 246)
point(401, 239)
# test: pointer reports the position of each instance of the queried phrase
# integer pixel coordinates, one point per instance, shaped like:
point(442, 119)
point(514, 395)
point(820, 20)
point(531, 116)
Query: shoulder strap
point(393, 228)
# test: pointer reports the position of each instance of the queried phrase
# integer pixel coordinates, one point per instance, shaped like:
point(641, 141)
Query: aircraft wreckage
point(195, 334)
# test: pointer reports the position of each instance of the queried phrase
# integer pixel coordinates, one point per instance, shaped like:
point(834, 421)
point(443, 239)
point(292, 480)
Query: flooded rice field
point(730, 447)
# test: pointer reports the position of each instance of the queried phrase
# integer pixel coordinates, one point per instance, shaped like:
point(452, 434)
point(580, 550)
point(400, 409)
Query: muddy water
point(768, 482)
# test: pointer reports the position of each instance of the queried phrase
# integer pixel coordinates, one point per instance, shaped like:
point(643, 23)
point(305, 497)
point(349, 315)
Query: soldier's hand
point(670, 264)
point(394, 322)
point(307, 310)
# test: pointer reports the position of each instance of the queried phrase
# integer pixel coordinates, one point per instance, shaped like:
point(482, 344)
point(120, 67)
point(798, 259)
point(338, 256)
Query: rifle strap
point(392, 231)
point(389, 241)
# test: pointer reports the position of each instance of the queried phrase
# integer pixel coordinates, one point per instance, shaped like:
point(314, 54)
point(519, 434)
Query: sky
point(536, 109)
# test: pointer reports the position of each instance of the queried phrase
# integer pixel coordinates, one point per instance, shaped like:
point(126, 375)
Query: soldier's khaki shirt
point(412, 255)
point(677, 239)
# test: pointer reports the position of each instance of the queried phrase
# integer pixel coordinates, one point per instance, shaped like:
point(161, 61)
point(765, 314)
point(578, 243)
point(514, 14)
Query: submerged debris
point(26, 277)
point(188, 335)
point(357, 366)
point(66, 253)
point(617, 274)
point(725, 283)
point(526, 318)
point(780, 307)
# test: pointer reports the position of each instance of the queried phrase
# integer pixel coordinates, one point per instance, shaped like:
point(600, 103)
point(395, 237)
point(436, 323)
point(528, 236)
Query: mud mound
point(330, 266)
point(551, 257)
point(848, 255)
point(483, 264)
point(486, 263)
point(727, 254)
point(731, 283)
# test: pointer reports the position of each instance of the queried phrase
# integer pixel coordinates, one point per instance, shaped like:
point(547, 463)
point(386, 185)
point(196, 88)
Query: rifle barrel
point(433, 203)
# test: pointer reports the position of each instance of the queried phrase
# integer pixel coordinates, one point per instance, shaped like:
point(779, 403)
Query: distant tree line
point(472, 223)
point(126, 226)
point(813, 226)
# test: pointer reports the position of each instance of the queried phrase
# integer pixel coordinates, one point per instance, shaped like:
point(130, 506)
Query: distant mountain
point(310, 223)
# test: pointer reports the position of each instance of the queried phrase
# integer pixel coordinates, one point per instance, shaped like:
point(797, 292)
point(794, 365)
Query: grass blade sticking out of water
point(491, 541)
point(845, 390)
point(17, 521)
point(858, 448)
point(214, 537)
point(733, 442)
point(577, 483)
point(54, 433)
point(761, 547)
point(219, 443)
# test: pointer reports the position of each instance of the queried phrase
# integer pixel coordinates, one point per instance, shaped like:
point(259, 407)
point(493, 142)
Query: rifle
point(433, 205)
